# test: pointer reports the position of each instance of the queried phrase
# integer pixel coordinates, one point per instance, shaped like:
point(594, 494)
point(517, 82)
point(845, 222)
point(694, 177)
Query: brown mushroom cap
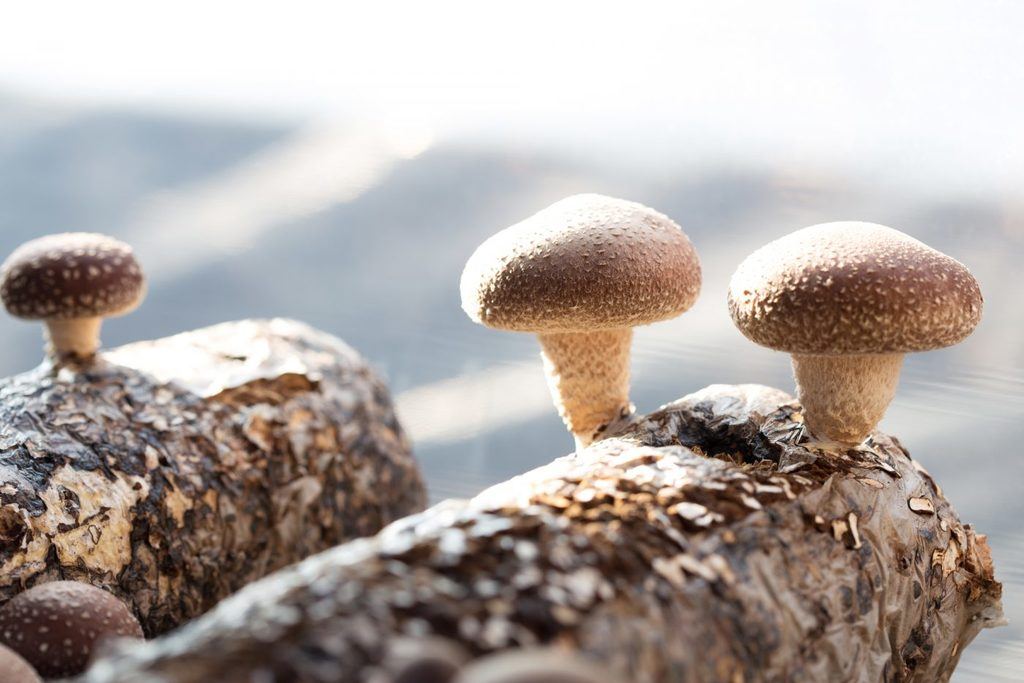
point(853, 288)
point(71, 275)
point(14, 668)
point(55, 626)
point(587, 262)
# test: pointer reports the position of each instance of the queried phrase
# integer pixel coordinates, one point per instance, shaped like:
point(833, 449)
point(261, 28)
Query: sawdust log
point(708, 541)
point(176, 471)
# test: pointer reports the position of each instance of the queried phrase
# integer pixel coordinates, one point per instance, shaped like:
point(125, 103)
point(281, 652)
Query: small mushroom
point(848, 300)
point(56, 626)
point(72, 281)
point(538, 665)
point(14, 668)
point(581, 274)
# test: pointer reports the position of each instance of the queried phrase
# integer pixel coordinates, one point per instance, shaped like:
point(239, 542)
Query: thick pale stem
point(588, 374)
point(844, 397)
point(78, 337)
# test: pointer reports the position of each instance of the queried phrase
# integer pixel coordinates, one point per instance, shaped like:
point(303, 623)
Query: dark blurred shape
point(425, 660)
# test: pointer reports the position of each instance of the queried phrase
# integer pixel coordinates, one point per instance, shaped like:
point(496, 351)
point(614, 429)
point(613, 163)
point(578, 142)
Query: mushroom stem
point(75, 337)
point(588, 374)
point(845, 396)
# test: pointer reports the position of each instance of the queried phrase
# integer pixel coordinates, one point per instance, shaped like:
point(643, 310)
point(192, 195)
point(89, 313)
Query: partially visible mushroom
point(56, 626)
point(581, 274)
point(848, 300)
point(425, 660)
point(14, 668)
point(72, 281)
point(536, 665)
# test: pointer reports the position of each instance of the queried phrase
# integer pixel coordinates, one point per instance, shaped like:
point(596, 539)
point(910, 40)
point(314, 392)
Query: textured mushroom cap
point(586, 262)
point(71, 275)
point(56, 625)
point(14, 668)
point(852, 288)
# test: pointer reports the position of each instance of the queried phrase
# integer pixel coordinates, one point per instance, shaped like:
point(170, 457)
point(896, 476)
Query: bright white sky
point(915, 89)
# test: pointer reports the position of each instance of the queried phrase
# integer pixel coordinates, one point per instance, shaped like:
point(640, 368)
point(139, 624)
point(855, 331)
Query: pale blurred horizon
point(918, 93)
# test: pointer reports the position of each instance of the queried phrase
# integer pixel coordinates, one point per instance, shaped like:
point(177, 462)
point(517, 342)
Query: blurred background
point(338, 163)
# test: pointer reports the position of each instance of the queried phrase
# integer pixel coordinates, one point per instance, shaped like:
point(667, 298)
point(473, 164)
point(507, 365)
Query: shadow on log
point(174, 472)
point(705, 542)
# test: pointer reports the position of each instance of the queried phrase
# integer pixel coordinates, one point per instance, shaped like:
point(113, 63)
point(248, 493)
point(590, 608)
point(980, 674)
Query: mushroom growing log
point(708, 541)
point(174, 472)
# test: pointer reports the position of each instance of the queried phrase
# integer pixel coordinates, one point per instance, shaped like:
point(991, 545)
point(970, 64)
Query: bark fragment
point(663, 565)
point(176, 471)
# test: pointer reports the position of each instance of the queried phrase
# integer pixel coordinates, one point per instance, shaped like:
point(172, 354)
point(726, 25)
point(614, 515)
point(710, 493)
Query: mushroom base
point(588, 374)
point(75, 337)
point(844, 397)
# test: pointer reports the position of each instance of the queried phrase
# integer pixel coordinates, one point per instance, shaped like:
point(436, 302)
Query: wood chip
point(922, 506)
point(669, 570)
point(873, 483)
point(692, 565)
point(887, 468)
point(947, 558)
point(750, 502)
point(854, 530)
point(721, 567)
point(847, 530)
point(689, 511)
point(951, 558)
point(839, 529)
point(784, 484)
point(673, 568)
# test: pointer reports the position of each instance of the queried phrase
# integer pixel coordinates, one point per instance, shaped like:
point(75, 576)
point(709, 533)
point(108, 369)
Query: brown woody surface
point(176, 471)
point(708, 542)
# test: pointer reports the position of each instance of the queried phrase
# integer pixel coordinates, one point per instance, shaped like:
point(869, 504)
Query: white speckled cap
point(71, 275)
point(587, 262)
point(853, 288)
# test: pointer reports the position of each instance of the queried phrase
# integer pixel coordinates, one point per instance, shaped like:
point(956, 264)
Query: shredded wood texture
point(176, 471)
point(706, 542)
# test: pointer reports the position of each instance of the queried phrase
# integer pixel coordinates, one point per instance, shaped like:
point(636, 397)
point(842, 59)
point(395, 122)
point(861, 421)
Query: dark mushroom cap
point(587, 262)
point(56, 626)
point(14, 668)
point(853, 288)
point(72, 275)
